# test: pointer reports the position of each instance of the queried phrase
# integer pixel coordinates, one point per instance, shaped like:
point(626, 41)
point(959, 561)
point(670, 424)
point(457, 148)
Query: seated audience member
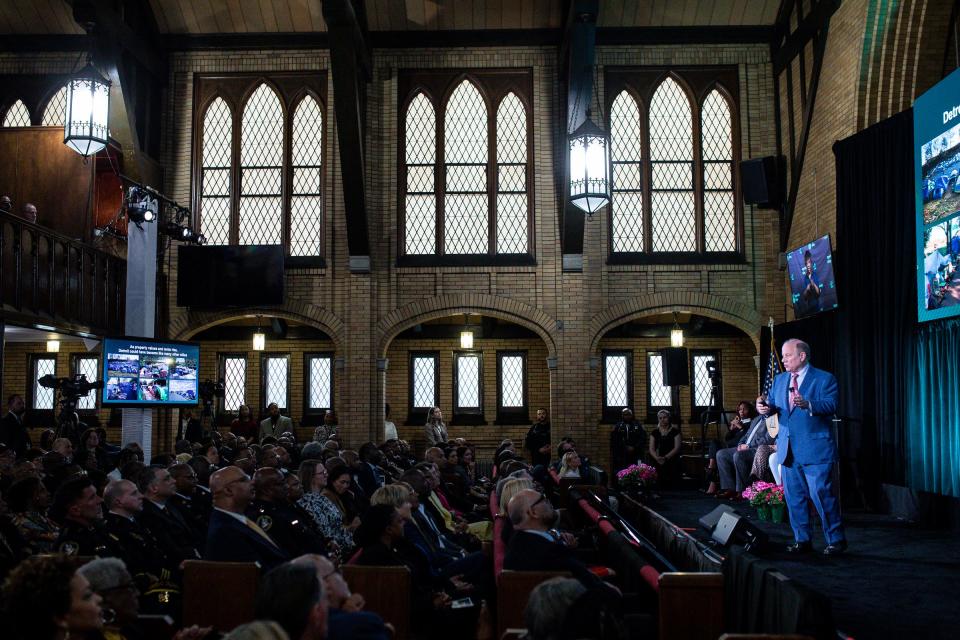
point(274, 424)
point(211, 453)
point(232, 537)
point(664, 449)
point(389, 427)
point(570, 465)
point(382, 543)
point(734, 432)
point(168, 525)
point(258, 630)
point(369, 474)
point(318, 501)
point(245, 425)
point(141, 551)
point(126, 456)
point(328, 429)
point(562, 608)
point(77, 508)
point(109, 578)
point(510, 489)
point(736, 463)
point(536, 546)
point(64, 447)
point(522, 472)
point(271, 510)
point(195, 505)
point(13, 548)
point(293, 597)
point(346, 620)
point(90, 441)
point(45, 598)
point(29, 212)
point(28, 500)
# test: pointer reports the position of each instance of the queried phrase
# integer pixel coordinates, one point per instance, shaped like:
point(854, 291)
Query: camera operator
point(71, 390)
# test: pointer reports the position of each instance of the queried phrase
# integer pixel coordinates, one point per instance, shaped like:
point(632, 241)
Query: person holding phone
point(805, 399)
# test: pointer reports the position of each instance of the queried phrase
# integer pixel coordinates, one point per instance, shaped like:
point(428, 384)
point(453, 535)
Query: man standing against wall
point(805, 398)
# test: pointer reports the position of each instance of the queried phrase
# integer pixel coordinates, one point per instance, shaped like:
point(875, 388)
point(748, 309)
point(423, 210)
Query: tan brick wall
point(570, 311)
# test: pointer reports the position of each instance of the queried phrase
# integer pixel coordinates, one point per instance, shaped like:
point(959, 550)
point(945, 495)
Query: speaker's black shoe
point(800, 547)
point(835, 549)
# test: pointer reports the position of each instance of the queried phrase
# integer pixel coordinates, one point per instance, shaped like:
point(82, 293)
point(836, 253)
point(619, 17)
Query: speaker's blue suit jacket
point(806, 433)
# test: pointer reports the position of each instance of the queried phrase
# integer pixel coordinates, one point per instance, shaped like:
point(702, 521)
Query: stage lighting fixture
point(141, 206)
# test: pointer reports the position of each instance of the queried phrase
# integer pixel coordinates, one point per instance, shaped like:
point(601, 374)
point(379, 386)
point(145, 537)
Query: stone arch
point(192, 323)
point(719, 308)
point(452, 304)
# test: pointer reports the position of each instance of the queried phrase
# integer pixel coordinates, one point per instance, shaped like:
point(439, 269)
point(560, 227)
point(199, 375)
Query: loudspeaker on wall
point(675, 370)
point(760, 180)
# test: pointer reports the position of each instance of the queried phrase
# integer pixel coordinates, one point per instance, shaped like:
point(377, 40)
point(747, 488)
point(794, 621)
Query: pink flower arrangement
point(760, 493)
point(637, 476)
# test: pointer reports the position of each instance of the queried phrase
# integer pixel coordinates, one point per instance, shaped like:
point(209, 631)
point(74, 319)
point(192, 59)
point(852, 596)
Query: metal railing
point(48, 277)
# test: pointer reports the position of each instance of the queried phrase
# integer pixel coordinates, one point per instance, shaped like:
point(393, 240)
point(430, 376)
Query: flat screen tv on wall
point(812, 288)
point(230, 276)
point(141, 372)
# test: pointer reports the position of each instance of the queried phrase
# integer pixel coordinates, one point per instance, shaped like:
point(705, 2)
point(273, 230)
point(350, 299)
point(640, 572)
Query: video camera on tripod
point(208, 391)
point(71, 390)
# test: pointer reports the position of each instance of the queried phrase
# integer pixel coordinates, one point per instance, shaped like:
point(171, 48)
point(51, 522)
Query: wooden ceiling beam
point(351, 70)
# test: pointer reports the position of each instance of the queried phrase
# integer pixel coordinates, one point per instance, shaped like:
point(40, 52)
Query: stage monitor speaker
point(710, 520)
point(675, 371)
point(734, 529)
point(761, 181)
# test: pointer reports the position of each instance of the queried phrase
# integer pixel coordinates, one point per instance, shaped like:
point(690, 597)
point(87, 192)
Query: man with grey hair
point(109, 578)
point(805, 399)
point(548, 605)
point(536, 546)
point(347, 619)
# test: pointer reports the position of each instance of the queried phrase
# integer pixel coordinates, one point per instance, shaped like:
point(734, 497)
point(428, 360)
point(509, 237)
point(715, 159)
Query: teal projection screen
point(936, 141)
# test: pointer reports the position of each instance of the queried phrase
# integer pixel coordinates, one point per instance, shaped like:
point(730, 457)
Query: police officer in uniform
point(194, 506)
point(143, 554)
point(76, 506)
point(272, 512)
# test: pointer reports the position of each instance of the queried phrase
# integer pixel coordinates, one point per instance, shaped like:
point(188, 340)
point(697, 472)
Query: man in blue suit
point(232, 536)
point(805, 399)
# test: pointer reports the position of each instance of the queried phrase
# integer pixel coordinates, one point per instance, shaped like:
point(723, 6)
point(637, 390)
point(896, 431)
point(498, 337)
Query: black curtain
point(868, 341)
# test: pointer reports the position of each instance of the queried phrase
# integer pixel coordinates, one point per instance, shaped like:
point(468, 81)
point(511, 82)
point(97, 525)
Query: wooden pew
point(219, 594)
point(679, 594)
point(762, 636)
point(514, 591)
point(386, 591)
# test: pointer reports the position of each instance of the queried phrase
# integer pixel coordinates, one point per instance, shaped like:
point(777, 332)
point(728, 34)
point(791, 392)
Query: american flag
point(774, 366)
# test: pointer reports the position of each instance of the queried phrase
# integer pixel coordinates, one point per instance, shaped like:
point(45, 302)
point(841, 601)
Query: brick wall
point(17, 373)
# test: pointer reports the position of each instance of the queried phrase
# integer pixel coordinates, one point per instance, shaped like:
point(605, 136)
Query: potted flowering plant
point(760, 494)
point(637, 477)
point(776, 502)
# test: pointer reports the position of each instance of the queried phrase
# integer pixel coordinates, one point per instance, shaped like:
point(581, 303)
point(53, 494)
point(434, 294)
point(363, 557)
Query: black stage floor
point(895, 581)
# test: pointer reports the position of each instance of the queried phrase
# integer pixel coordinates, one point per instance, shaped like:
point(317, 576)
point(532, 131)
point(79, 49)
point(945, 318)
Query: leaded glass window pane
point(420, 150)
point(89, 368)
point(43, 396)
point(17, 115)
point(511, 382)
point(673, 209)
point(465, 157)
point(511, 176)
point(626, 154)
point(306, 204)
point(261, 169)
point(659, 394)
point(468, 381)
point(55, 112)
point(276, 374)
point(424, 382)
point(719, 211)
point(217, 142)
point(321, 382)
point(615, 383)
point(235, 382)
point(701, 381)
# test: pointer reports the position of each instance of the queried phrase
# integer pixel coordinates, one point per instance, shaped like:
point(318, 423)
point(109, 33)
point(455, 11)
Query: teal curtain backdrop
point(933, 436)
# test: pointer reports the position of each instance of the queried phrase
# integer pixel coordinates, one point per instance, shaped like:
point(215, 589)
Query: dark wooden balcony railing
point(49, 278)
